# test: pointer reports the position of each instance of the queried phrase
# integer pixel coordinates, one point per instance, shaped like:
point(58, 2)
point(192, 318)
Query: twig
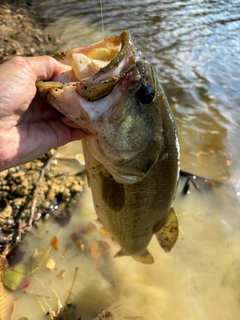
point(73, 281)
point(36, 190)
point(45, 256)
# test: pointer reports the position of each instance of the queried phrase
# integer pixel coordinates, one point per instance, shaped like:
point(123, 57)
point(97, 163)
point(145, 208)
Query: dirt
point(22, 32)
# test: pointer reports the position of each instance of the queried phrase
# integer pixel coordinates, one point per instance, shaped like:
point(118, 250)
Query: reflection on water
point(195, 48)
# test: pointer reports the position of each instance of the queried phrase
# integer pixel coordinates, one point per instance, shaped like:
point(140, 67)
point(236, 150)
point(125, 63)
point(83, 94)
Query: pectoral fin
point(112, 193)
point(167, 235)
point(145, 258)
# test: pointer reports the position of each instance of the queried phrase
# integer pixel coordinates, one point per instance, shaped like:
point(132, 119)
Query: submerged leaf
point(12, 278)
point(54, 243)
point(61, 274)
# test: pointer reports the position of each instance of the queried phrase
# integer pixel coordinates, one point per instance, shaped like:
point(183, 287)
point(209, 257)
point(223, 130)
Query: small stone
point(51, 264)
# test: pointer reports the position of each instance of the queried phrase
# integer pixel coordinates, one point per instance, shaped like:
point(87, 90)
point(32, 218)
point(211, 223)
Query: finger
point(46, 67)
point(37, 68)
point(78, 134)
point(69, 122)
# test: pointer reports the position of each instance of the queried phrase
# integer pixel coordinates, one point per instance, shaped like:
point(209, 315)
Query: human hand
point(29, 126)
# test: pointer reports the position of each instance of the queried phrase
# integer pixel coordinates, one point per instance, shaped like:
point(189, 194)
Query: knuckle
point(19, 61)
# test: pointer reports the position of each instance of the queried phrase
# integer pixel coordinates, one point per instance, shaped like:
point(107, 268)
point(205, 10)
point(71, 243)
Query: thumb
point(46, 67)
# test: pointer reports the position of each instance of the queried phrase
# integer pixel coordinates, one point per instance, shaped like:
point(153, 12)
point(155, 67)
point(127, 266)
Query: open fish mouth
point(110, 91)
point(94, 69)
point(101, 83)
point(96, 77)
point(91, 74)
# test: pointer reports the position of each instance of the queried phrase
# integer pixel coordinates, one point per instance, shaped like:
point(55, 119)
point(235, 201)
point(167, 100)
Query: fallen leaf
point(54, 243)
point(12, 278)
point(61, 274)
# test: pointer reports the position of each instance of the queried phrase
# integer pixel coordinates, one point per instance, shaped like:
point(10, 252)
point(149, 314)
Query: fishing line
point(101, 8)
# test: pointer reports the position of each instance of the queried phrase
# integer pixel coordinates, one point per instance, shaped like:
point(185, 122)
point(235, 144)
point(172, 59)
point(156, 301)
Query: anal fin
point(119, 254)
point(167, 235)
point(145, 258)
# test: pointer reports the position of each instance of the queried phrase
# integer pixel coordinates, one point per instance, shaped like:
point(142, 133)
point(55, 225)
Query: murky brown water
point(195, 48)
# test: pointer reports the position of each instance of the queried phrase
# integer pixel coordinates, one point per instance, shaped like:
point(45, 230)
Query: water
point(195, 48)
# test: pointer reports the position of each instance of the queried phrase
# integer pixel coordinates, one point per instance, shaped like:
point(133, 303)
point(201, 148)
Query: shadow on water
point(194, 46)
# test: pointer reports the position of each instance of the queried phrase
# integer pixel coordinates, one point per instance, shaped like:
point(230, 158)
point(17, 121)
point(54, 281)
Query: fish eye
point(146, 94)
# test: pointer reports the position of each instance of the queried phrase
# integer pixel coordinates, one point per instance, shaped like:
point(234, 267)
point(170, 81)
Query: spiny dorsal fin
point(167, 235)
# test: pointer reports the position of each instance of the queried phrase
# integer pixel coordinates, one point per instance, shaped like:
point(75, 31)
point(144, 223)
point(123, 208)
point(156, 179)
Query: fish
point(132, 155)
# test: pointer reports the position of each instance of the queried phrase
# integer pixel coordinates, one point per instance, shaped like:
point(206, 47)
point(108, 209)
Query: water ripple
point(195, 48)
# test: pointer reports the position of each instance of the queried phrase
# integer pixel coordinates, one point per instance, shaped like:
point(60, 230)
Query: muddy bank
point(22, 31)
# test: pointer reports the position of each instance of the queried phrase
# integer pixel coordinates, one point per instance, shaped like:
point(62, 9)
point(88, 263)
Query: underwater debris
point(64, 217)
point(54, 243)
point(79, 242)
point(33, 192)
point(15, 256)
point(64, 312)
point(105, 314)
point(51, 264)
point(198, 182)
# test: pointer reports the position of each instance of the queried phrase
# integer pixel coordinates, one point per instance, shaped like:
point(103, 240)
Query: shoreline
point(22, 32)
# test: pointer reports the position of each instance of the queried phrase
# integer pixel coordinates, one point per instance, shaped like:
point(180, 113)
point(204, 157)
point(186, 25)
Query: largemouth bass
point(132, 151)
